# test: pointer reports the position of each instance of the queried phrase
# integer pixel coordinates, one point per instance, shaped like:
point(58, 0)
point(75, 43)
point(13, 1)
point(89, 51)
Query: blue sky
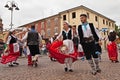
point(31, 10)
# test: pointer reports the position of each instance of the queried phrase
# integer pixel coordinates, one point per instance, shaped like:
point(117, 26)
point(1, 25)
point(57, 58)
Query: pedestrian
point(98, 49)
point(75, 36)
point(88, 36)
point(12, 50)
point(98, 45)
point(52, 40)
point(76, 43)
point(43, 49)
point(112, 47)
point(29, 57)
point(80, 53)
point(67, 37)
point(25, 49)
point(21, 47)
point(33, 39)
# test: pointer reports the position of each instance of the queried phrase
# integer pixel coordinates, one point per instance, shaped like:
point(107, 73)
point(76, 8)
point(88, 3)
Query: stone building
point(50, 25)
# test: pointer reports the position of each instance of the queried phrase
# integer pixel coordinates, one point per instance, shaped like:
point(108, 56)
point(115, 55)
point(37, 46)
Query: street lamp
point(11, 5)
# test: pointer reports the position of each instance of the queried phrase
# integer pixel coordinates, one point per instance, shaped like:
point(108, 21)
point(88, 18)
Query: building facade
point(101, 22)
point(52, 25)
point(47, 27)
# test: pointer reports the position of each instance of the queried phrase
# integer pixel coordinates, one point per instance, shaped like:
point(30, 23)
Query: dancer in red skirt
point(13, 50)
point(64, 51)
point(112, 47)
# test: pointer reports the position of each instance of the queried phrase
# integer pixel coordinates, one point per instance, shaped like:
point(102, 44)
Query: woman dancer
point(112, 47)
point(13, 50)
point(67, 37)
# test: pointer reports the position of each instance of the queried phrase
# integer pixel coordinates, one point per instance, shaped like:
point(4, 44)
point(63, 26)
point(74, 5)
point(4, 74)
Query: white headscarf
point(111, 30)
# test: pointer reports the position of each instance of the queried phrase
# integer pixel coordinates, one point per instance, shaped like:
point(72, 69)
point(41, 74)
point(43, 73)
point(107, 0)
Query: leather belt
point(88, 39)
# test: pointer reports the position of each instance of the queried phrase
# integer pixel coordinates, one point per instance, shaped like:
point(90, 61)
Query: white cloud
point(31, 10)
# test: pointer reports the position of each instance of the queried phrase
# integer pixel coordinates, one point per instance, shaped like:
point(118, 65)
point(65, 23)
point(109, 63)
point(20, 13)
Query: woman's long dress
point(112, 47)
point(112, 51)
point(13, 52)
point(55, 52)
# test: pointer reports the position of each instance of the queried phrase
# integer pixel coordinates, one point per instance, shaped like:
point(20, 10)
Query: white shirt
point(26, 35)
point(88, 32)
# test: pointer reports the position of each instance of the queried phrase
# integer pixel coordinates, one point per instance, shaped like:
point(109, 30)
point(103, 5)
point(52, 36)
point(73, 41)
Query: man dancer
point(33, 40)
point(88, 37)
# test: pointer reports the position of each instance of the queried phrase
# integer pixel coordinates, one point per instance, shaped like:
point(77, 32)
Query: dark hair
point(70, 26)
point(33, 27)
point(10, 33)
point(74, 26)
point(83, 15)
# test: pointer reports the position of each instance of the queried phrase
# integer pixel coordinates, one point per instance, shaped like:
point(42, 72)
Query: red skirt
point(12, 56)
point(60, 57)
point(81, 54)
point(112, 51)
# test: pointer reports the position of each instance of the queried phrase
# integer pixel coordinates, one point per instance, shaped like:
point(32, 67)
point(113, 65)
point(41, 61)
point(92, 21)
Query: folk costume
point(33, 40)
point(64, 51)
point(112, 47)
point(27, 52)
point(75, 39)
point(13, 51)
point(88, 37)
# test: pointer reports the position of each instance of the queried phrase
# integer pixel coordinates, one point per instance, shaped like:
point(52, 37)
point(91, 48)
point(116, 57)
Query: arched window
point(56, 30)
point(48, 32)
point(48, 23)
point(56, 21)
point(42, 25)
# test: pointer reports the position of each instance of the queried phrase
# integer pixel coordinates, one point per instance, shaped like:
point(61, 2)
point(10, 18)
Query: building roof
point(86, 8)
point(72, 9)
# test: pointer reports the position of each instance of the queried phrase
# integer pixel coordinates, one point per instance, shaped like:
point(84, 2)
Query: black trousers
point(76, 41)
point(21, 51)
point(98, 48)
point(89, 50)
point(34, 49)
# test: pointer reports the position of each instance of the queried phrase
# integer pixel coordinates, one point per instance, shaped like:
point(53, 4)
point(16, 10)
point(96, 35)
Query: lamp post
point(11, 5)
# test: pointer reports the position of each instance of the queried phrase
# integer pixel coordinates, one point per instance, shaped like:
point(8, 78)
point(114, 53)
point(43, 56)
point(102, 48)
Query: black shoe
point(112, 61)
point(51, 59)
point(116, 61)
point(36, 64)
point(99, 71)
point(70, 70)
point(11, 65)
point(94, 73)
point(66, 69)
point(15, 63)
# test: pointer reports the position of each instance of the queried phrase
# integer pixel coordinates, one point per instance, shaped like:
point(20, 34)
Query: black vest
point(80, 32)
point(13, 40)
point(33, 38)
point(67, 35)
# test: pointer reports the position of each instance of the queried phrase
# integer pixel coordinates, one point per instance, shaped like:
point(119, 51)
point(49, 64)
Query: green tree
point(117, 29)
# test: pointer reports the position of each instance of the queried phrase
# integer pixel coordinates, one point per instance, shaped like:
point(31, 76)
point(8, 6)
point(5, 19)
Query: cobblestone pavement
point(48, 70)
